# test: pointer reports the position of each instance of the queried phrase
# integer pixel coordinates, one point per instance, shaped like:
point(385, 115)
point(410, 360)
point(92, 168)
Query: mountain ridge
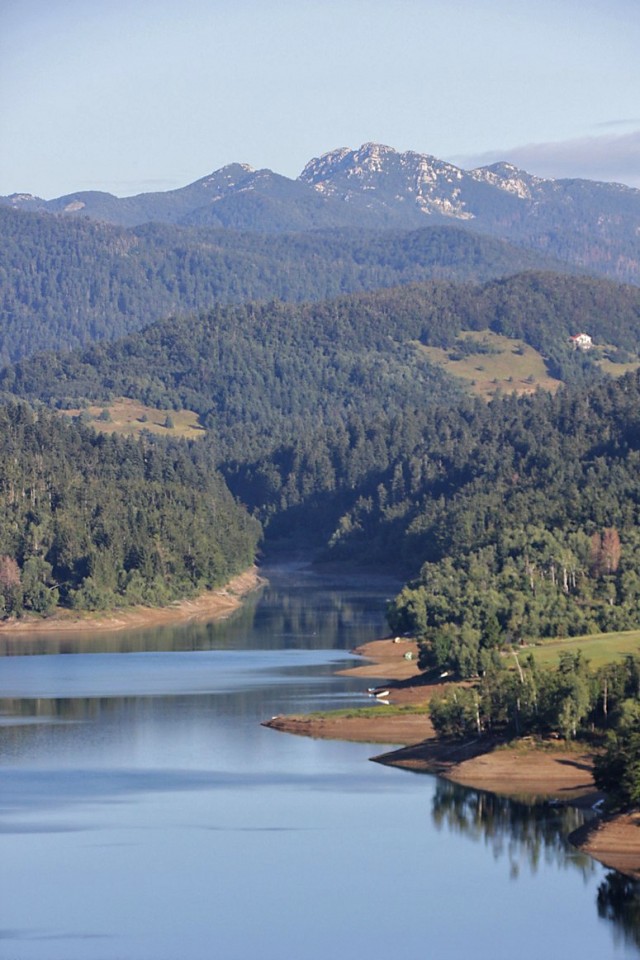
point(590, 224)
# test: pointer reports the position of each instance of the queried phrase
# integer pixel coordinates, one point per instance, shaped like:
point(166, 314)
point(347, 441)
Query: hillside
point(239, 366)
point(92, 521)
point(66, 282)
point(522, 517)
point(309, 408)
point(331, 422)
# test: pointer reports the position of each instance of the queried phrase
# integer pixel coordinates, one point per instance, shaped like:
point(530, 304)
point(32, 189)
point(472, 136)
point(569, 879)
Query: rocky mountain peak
point(390, 178)
point(508, 177)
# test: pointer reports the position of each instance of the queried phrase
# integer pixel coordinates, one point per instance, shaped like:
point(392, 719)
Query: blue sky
point(149, 95)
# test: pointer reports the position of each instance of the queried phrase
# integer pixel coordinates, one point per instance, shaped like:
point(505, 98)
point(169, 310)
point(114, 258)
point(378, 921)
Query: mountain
point(235, 197)
point(591, 224)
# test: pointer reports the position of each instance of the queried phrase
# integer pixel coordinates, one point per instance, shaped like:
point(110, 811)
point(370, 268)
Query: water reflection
point(619, 901)
point(281, 615)
point(526, 834)
point(176, 815)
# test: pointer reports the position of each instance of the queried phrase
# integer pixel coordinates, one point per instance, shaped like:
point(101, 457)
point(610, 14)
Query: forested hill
point(92, 521)
point(327, 419)
point(262, 374)
point(65, 282)
point(306, 406)
point(523, 517)
point(258, 374)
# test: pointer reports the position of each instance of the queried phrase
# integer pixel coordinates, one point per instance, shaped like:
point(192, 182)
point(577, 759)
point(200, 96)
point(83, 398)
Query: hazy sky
point(136, 95)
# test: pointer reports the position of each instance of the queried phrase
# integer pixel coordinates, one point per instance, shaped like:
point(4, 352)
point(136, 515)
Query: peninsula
point(557, 771)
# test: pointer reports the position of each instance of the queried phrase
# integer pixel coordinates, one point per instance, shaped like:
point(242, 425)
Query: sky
point(131, 96)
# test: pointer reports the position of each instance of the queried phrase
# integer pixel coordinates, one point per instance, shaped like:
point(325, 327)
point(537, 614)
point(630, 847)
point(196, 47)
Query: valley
point(318, 374)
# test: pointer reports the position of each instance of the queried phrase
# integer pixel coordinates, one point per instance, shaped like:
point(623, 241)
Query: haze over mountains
point(594, 225)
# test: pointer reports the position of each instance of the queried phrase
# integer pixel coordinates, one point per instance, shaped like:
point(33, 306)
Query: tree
point(617, 770)
point(10, 584)
point(457, 714)
point(37, 594)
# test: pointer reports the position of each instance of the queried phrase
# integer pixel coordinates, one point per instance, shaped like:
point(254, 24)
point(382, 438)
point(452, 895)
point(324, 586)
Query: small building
point(581, 341)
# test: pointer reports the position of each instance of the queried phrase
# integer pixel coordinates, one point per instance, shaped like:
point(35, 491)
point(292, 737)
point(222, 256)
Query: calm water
point(146, 815)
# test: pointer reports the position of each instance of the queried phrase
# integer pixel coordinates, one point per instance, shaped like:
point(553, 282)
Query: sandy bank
point(388, 660)
point(614, 841)
point(212, 605)
point(524, 770)
point(393, 728)
point(378, 725)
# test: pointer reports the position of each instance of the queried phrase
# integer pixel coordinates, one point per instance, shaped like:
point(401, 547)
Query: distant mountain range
point(593, 225)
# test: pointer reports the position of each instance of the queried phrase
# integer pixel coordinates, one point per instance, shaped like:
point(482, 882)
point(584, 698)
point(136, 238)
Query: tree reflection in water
point(619, 901)
point(528, 833)
point(524, 833)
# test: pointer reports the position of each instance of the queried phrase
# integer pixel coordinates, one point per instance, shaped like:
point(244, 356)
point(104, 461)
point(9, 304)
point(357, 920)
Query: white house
point(581, 341)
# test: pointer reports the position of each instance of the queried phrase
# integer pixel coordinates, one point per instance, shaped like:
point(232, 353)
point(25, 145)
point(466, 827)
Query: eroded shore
point(523, 770)
point(212, 605)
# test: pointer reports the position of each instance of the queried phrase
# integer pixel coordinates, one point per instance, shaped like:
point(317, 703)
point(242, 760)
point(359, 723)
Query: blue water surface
point(145, 814)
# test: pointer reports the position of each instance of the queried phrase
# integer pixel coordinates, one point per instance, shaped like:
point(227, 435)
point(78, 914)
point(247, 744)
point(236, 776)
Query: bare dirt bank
point(393, 728)
point(614, 841)
point(522, 770)
point(212, 605)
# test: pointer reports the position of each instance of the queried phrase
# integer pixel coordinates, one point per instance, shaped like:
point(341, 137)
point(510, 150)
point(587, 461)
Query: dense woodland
point(325, 418)
point(327, 421)
point(69, 282)
point(260, 374)
point(525, 521)
point(90, 521)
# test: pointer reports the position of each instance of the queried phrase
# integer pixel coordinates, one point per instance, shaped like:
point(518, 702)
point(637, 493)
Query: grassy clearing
point(369, 713)
point(537, 744)
point(599, 648)
point(514, 367)
point(617, 369)
point(129, 417)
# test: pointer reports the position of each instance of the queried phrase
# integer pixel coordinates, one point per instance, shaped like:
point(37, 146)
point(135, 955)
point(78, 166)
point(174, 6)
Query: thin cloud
point(629, 122)
point(610, 157)
point(131, 186)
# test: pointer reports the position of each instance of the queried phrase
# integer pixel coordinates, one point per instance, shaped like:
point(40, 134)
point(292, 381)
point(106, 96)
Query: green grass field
point(598, 649)
point(366, 713)
point(617, 369)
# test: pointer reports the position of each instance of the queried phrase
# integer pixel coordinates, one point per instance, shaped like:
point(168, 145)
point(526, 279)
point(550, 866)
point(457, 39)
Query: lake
point(146, 815)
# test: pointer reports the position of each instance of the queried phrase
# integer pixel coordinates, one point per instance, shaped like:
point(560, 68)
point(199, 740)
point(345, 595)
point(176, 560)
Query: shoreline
point(525, 770)
point(212, 605)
